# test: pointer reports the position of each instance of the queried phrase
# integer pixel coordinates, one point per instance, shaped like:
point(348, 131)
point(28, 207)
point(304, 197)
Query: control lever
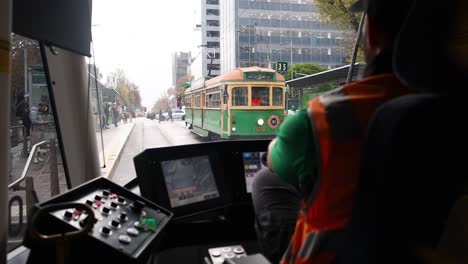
point(61, 240)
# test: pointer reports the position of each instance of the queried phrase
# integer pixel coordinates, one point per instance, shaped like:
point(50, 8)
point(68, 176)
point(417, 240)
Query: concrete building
point(180, 64)
point(263, 32)
point(210, 34)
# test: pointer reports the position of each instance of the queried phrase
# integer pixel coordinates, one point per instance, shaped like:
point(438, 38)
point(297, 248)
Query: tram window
point(32, 121)
point(277, 96)
point(239, 96)
point(213, 100)
point(188, 101)
point(197, 101)
point(260, 96)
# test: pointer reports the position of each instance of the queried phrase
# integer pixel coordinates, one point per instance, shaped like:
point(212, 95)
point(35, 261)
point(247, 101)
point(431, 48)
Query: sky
point(140, 36)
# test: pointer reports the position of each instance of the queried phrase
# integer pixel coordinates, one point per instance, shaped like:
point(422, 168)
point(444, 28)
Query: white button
point(124, 239)
point(216, 253)
point(229, 255)
point(132, 231)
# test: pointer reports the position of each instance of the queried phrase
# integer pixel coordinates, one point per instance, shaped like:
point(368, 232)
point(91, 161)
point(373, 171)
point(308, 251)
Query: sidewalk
point(114, 141)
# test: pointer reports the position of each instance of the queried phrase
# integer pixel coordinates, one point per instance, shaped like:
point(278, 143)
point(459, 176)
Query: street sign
point(281, 66)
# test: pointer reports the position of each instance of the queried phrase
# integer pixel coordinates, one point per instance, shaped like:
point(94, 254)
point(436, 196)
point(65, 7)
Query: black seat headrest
point(431, 51)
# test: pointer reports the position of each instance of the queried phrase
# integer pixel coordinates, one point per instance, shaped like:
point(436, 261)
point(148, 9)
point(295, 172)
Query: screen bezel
point(151, 175)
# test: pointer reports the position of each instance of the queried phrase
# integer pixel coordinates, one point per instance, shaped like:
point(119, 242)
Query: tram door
point(203, 106)
point(224, 110)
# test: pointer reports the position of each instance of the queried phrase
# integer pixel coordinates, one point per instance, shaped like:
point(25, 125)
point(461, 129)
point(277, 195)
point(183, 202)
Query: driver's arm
point(291, 153)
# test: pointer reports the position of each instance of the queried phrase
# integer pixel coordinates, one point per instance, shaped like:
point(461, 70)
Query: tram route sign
point(281, 66)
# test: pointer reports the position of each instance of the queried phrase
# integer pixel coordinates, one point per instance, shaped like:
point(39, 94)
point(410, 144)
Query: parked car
point(177, 114)
point(151, 115)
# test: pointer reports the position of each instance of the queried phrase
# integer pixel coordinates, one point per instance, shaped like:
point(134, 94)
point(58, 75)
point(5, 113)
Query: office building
point(263, 32)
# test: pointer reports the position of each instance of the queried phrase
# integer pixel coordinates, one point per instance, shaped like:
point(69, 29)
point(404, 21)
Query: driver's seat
point(415, 163)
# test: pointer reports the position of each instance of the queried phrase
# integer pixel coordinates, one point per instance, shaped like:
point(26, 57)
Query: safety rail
point(26, 167)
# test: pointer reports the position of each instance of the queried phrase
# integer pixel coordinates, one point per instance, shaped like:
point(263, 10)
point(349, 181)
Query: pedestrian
point(169, 114)
point(161, 117)
point(115, 115)
point(38, 127)
point(316, 150)
point(106, 114)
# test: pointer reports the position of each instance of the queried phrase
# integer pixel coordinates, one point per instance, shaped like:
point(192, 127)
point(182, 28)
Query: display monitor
point(189, 180)
point(252, 164)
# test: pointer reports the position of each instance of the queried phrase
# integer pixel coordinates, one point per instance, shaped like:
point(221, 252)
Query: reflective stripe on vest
point(339, 120)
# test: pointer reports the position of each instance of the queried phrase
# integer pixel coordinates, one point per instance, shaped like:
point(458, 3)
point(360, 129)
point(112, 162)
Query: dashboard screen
point(252, 164)
point(189, 180)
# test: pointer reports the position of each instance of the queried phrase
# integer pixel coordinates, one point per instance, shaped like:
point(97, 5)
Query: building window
point(213, 67)
point(239, 96)
point(260, 96)
point(212, 12)
point(212, 2)
point(212, 34)
point(328, 51)
point(277, 96)
point(212, 44)
point(212, 23)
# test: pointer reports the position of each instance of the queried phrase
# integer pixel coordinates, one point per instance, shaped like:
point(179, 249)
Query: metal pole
point(5, 64)
point(355, 50)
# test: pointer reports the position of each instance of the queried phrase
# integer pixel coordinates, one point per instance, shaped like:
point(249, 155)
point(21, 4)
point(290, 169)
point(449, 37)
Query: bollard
point(54, 179)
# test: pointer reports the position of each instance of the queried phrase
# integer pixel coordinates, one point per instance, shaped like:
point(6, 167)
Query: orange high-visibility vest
point(339, 122)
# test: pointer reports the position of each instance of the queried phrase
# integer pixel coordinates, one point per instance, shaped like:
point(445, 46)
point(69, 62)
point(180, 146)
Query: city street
point(149, 134)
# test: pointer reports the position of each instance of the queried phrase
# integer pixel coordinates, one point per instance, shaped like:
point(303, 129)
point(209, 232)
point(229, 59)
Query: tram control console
point(97, 221)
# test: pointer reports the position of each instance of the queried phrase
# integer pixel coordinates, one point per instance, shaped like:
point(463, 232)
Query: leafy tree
point(337, 12)
point(129, 92)
point(303, 68)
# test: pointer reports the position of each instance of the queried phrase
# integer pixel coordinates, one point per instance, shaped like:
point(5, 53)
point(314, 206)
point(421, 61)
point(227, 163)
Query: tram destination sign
point(259, 76)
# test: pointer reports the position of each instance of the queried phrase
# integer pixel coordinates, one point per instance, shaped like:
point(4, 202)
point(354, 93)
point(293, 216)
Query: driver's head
point(383, 21)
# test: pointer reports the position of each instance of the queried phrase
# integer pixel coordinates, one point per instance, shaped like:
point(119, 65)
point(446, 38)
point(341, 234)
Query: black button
point(137, 206)
point(89, 202)
point(105, 193)
point(97, 198)
point(123, 216)
point(67, 214)
point(113, 205)
point(121, 200)
point(105, 230)
point(115, 223)
point(105, 210)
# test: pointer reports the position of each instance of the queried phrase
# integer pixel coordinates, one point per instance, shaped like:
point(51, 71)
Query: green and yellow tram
point(242, 103)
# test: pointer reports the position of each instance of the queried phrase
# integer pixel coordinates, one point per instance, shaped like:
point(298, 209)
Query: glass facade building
point(263, 32)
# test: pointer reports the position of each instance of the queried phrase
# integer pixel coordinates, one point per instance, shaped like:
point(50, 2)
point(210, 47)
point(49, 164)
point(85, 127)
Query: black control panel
point(126, 226)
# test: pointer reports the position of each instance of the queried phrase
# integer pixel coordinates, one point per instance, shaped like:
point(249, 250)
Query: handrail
point(28, 164)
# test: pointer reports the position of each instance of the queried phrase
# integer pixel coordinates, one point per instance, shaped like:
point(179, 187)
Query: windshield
point(165, 74)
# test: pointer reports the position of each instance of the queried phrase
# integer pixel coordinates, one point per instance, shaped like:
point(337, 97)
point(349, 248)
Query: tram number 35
point(260, 130)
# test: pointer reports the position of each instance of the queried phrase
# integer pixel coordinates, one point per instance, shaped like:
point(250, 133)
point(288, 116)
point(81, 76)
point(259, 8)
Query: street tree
point(303, 68)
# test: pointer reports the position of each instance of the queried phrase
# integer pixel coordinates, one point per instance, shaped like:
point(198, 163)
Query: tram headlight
point(233, 129)
point(260, 122)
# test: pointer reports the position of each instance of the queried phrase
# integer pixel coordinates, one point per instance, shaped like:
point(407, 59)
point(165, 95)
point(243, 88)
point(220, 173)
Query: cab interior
point(410, 205)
